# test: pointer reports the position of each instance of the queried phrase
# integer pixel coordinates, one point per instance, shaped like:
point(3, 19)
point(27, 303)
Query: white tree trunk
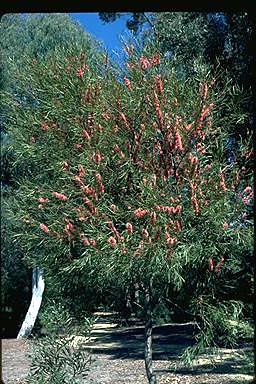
point(148, 351)
point(37, 293)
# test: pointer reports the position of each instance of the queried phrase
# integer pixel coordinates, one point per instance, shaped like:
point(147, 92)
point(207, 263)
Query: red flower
point(222, 183)
point(123, 117)
point(80, 72)
point(155, 59)
point(158, 109)
point(77, 146)
point(195, 204)
point(171, 240)
point(178, 208)
point(98, 157)
point(60, 196)
point(44, 126)
point(86, 134)
point(129, 228)
point(65, 165)
point(218, 266)
point(113, 207)
point(145, 233)
point(225, 225)
point(211, 265)
point(81, 170)
point(159, 83)
point(127, 83)
point(44, 228)
point(144, 62)
point(106, 115)
point(153, 217)
point(203, 90)
point(86, 242)
point(140, 212)
point(43, 200)
point(112, 241)
point(101, 188)
point(98, 178)
point(247, 189)
point(69, 227)
point(178, 141)
point(79, 181)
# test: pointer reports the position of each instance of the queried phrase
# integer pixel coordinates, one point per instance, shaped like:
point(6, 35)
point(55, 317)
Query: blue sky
point(107, 33)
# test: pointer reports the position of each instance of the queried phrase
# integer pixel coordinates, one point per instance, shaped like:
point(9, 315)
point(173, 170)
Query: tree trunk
point(37, 293)
point(148, 338)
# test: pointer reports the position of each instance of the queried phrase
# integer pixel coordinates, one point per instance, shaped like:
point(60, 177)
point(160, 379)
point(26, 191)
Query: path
point(119, 357)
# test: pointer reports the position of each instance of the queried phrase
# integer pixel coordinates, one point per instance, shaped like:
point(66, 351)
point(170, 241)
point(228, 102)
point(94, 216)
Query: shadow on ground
point(169, 342)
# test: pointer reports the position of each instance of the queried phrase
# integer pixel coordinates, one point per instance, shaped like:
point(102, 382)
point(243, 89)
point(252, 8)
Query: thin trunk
point(148, 339)
point(37, 293)
point(137, 297)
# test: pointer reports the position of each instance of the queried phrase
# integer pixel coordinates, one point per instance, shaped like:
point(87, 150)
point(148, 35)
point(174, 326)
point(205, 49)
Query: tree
point(25, 37)
point(130, 183)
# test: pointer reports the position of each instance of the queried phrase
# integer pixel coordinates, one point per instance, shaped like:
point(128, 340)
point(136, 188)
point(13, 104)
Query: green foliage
point(58, 357)
point(221, 322)
point(15, 279)
point(128, 177)
point(25, 38)
point(56, 319)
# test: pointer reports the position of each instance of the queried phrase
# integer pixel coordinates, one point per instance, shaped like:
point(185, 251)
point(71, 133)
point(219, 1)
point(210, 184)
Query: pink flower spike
point(86, 134)
point(44, 228)
point(65, 165)
point(140, 212)
point(43, 199)
point(248, 189)
point(211, 265)
point(60, 196)
point(129, 228)
point(86, 242)
point(81, 170)
point(113, 207)
point(80, 72)
point(144, 62)
point(218, 266)
point(127, 83)
point(112, 241)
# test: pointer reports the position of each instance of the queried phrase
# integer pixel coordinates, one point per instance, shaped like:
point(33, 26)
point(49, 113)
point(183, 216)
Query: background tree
point(130, 184)
point(24, 37)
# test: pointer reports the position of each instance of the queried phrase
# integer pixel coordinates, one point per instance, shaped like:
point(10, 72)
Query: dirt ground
point(119, 358)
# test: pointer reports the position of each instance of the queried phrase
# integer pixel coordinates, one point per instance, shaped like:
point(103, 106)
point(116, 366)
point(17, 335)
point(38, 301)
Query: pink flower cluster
point(69, 227)
point(44, 228)
point(169, 209)
point(140, 212)
point(218, 266)
point(158, 109)
point(248, 194)
point(127, 83)
point(147, 63)
point(80, 70)
point(159, 84)
point(129, 228)
point(170, 240)
point(178, 141)
point(192, 159)
point(87, 241)
point(112, 241)
point(60, 196)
